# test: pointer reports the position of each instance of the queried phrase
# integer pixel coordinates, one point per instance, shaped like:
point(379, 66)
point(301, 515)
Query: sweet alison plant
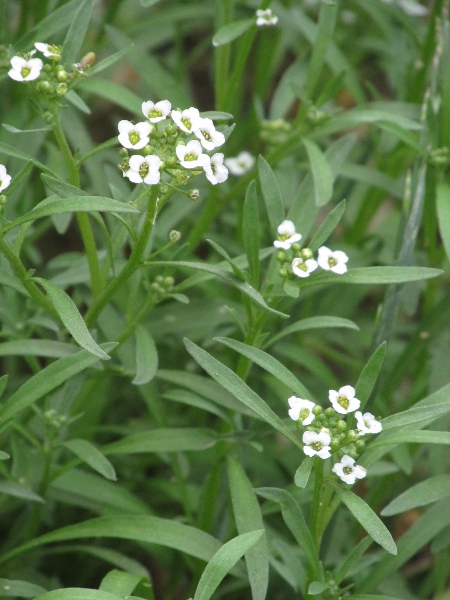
point(220, 378)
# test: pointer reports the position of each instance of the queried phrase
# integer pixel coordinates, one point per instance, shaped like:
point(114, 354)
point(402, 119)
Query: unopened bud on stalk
point(194, 194)
point(61, 89)
point(174, 236)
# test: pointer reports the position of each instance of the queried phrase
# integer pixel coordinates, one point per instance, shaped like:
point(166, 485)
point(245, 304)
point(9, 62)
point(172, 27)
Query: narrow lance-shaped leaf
point(20, 177)
point(120, 583)
point(312, 323)
point(443, 213)
point(78, 594)
point(20, 589)
point(181, 439)
point(374, 276)
point(326, 228)
point(222, 563)
point(231, 31)
point(77, 31)
point(321, 173)
point(302, 474)
point(92, 457)
point(69, 315)
point(271, 194)
point(146, 356)
point(369, 375)
point(423, 493)
point(250, 233)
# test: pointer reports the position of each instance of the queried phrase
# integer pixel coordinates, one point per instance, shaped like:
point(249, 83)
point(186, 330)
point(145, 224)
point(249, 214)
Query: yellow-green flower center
point(344, 402)
point(186, 122)
point(191, 156)
point(134, 137)
point(317, 446)
point(304, 414)
point(143, 170)
point(206, 135)
point(25, 71)
point(332, 261)
point(155, 113)
point(53, 49)
point(347, 470)
point(302, 266)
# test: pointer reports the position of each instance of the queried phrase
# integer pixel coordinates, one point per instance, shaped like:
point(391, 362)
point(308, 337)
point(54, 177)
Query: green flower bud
point(306, 253)
point(3, 200)
point(330, 412)
point(44, 87)
point(123, 152)
point(61, 89)
point(352, 435)
point(317, 410)
point(281, 256)
point(159, 279)
point(194, 194)
point(169, 282)
point(334, 443)
point(62, 76)
point(48, 117)
point(341, 426)
point(360, 444)
point(174, 236)
point(171, 130)
point(283, 273)
point(296, 247)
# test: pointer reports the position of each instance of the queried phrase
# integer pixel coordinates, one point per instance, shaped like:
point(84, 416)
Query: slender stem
point(131, 325)
point(317, 502)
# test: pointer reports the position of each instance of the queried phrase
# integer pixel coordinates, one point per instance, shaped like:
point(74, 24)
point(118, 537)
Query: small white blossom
point(214, 168)
point(317, 443)
point(5, 179)
point(332, 261)
point(156, 112)
point(286, 235)
point(144, 169)
point(348, 471)
point(366, 423)
point(49, 50)
point(189, 155)
point(207, 134)
point(344, 400)
point(301, 410)
point(187, 119)
point(303, 268)
point(25, 69)
point(265, 17)
point(240, 164)
point(134, 136)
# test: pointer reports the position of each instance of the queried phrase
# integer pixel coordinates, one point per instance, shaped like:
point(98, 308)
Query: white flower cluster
point(240, 164)
point(326, 433)
point(146, 137)
point(302, 264)
point(27, 68)
point(265, 18)
point(5, 179)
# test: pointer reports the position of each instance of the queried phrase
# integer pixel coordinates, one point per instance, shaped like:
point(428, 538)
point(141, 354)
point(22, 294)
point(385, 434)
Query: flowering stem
point(317, 502)
point(82, 218)
point(133, 263)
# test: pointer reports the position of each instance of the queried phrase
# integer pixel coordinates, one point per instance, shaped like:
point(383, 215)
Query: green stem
point(222, 57)
point(317, 502)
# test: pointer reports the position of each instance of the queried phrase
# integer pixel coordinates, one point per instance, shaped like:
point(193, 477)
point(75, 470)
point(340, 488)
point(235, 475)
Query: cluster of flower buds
point(51, 78)
point(296, 261)
point(161, 287)
point(275, 132)
point(174, 141)
point(326, 433)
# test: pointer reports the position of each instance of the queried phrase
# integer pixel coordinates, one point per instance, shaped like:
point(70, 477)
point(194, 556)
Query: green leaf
point(372, 597)
point(324, 36)
point(317, 587)
point(78, 102)
point(113, 92)
point(313, 323)
point(247, 514)
point(3, 455)
point(16, 153)
point(112, 557)
point(77, 31)
point(443, 213)
point(271, 193)
point(224, 254)
point(368, 519)
point(223, 561)
point(181, 439)
point(55, 206)
point(321, 173)
point(120, 583)
point(69, 315)
point(302, 474)
point(375, 276)
point(404, 135)
point(92, 457)
point(47, 380)
point(146, 356)
point(250, 233)
point(369, 375)
point(216, 115)
point(327, 227)
point(109, 61)
point(186, 397)
point(243, 287)
point(416, 414)
point(19, 491)
point(269, 363)
point(295, 521)
point(411, 437)
point(20, 177)
point(138, 528)
point(56, 20)
point(31, 347)
point(423, 493)
point(240, 390)
point(3, 383)
point(230, 32)
point(20, 589)
point(13, 129)
point(78, 594)
point(353, 558)
point(61, 188)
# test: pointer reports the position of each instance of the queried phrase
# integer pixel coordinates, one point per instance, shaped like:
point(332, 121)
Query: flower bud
point(159, 279)
point(62, 76)
point(341, 426)
point(283, 273)
point(123, 152)
point(3, 200)
point(317, 410)
point(306, 253)
point(61, 89)
point(334, 444)
point(296, 247)
point(352, 434)
point(169, 282)
point(48, 117)
point(194, 194)
point(171, 130)
point(181, 177)
point(360, 445)
point(44, 87)
point(281, 256)
point(174, 236)
point(330, 412)
point(170, 161)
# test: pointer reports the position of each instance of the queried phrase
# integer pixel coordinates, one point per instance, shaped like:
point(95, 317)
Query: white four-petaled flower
point(5, 179)
point(25, 69)
point(134, 136)
point(187, 119)
point(348, 471)
point(215, 170)
point(265, 17)
point(207, 134)
point(344, 400)
point(48, 50)
point(332, 261)
point(189, 155)
point(301, 410)
point(144, 169)
point(286, 235)
point(317, 444)
point(240, 164)
point(303, 268)
point(156, 111)
point(366, 423)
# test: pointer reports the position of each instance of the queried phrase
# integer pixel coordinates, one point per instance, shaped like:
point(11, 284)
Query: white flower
point(344, 400)
point(348, 471)
point(302, 268)
point(214, 168)
point(286, 235)
point(240, 164)
point(156, 112)
point(265, 17)
point(207, 134)
point(186, 120)
point(5, 179)
point(332, 261)
point(134, 136)
point(49, 50)
point(301, 410)
point(317, 443)
point(189, 155)
point(367, 423)
point(144, 169)
point(25, 70)
point(412, 8)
